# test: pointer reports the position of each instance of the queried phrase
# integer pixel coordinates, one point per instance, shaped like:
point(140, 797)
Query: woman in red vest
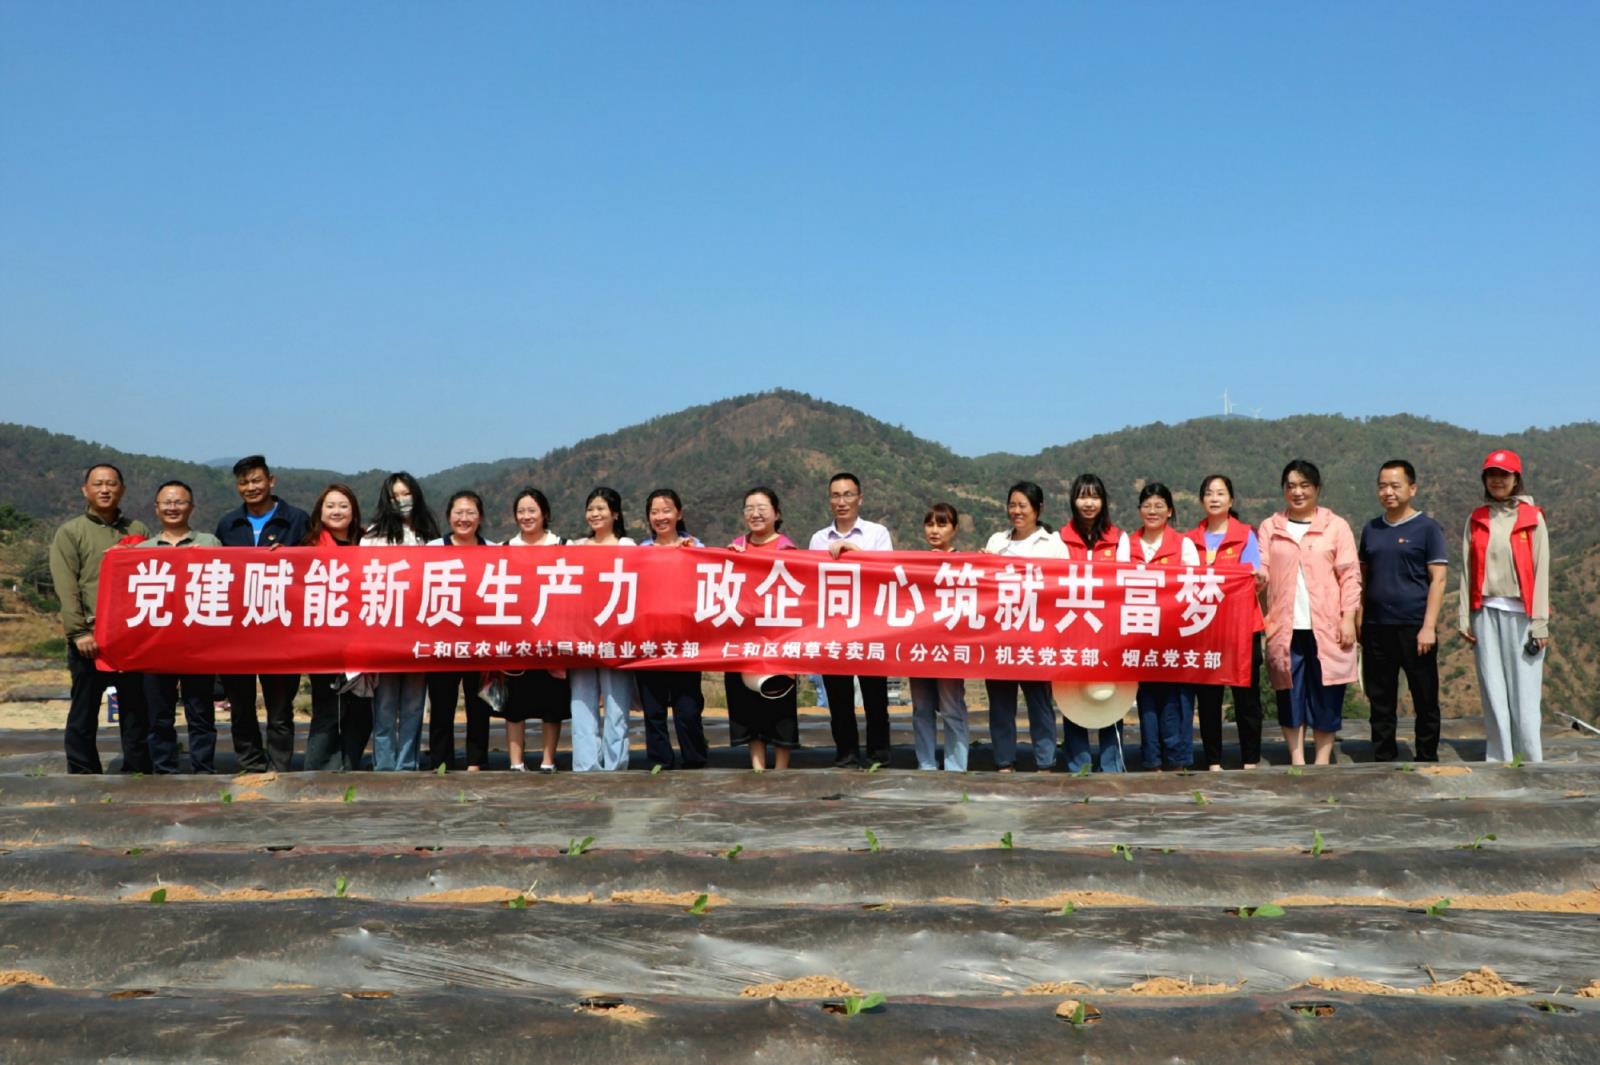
point(1088, 536)
point(1505, 607)
point(1166, 711)
point(1222, 537)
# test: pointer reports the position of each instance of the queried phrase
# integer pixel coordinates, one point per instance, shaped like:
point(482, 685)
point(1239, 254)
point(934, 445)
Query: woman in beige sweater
point(1505, 607)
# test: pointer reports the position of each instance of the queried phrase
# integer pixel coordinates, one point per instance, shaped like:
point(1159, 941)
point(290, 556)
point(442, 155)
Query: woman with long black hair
point(592, 749)
point(402, 520)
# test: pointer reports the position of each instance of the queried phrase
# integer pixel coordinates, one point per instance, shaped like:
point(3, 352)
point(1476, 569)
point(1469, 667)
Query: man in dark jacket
point(262, 520)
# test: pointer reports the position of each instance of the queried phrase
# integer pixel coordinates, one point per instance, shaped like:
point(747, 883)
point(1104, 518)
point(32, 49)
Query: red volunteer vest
point(1169, 553)
point(1106, 548)
point(1233, 540)
point(1521, 552)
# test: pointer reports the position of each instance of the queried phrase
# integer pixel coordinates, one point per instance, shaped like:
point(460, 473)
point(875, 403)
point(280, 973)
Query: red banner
point(316, 610)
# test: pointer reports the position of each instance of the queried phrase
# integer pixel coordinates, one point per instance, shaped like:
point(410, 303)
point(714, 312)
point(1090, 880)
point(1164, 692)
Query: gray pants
point(1508, 682)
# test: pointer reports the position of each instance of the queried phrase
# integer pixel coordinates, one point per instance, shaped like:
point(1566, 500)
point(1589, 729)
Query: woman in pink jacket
point(1313, 590)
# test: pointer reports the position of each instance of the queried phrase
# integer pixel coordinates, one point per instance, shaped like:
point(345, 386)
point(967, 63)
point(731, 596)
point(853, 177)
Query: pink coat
point(1333, 579)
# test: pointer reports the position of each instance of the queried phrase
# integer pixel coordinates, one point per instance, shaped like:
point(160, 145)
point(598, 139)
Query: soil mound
point(1482, 981)
point(802, 987)
point(9, 977)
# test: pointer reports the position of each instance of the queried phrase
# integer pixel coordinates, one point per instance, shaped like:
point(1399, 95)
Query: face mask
point(403, 506)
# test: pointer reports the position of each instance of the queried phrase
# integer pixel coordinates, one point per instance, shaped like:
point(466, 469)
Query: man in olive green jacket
point(75, 556)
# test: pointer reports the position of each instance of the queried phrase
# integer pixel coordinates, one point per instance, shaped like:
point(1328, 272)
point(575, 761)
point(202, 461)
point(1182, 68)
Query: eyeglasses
point(758, 510)
point(843, 497)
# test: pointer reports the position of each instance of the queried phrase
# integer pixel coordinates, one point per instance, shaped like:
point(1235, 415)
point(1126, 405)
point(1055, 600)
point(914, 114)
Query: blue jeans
point(1003, 721)
point(944, 698)
point(397, 720)
point(1076, 739)
point(199, 712)
point(590, 749)
point(1166, 725)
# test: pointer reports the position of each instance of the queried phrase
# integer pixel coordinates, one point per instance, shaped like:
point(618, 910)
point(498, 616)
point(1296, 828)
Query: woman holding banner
point(1166, 711)
point(341, 720)
point(592, 749)
point(1313, 593)
point(664, 689)
point(464, 512)
point(1222, 537)
point(403, 520)
point(1087, 536)
point(940, 698)
point(1028, 537)
point(541, 693)
point(763, 711)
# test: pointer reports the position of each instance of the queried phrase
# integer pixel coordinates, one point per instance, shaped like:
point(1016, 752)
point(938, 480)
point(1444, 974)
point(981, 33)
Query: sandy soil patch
point(1077, 898)
point(50, 715)
point(1592, 991)
point(1355, 985)
point(1577, 901)
point(24, 895)
point(1478, 982)
point(802, 987)
point(1161, 986)
point(586, 899)
point(1443, 770)
point(9, 977)
point(190, 893)
point(1483, 981)
point(485, 893)
point(652, 897)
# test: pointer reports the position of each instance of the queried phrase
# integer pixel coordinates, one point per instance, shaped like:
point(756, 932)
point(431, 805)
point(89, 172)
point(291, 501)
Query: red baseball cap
point(1509, 461)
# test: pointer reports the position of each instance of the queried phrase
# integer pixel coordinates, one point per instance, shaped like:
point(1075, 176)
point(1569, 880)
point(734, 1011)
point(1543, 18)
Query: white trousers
point(1508, 682)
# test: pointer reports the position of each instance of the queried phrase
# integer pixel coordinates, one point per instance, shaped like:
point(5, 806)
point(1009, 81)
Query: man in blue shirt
point(1403, 564)
point(262, 520)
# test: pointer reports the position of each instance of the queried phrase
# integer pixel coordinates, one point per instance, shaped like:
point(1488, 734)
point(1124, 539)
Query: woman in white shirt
point(464, 513)
point(541, 693)
point(1166, 711)
point(1028, 537)
point(602, 510)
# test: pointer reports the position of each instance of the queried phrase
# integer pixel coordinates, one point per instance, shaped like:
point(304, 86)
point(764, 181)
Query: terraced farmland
point(1359, 913)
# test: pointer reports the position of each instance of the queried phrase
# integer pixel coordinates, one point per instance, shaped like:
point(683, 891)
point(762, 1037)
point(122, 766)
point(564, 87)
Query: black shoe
point(847, 761)
point(882, 758)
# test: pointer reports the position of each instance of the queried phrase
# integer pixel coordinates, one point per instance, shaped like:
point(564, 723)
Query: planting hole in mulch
point(1313, 1009)
point(1077, 1012)
point(802, 987)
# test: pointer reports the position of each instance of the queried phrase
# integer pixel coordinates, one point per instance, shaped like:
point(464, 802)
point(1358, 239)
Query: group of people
point(1324, 592)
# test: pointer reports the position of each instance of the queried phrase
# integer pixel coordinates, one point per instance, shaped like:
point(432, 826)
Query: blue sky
point(417, 234)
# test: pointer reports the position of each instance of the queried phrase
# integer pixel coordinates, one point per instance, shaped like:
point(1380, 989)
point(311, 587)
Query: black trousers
point(161, 692)
point(1386, 650)
point(842, 715)
point(277, 695)
point(659, 691)
point(1246, 714)
point(443, 689)
point(83, 716)
point(341, 725)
